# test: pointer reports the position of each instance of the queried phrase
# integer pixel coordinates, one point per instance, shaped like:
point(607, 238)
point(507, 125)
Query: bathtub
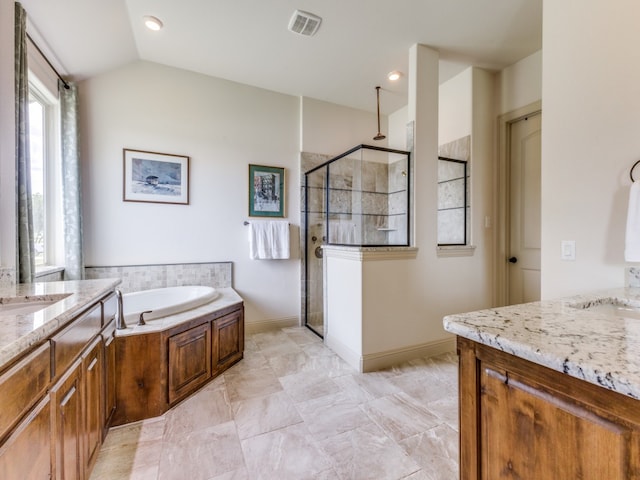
point(162, 302)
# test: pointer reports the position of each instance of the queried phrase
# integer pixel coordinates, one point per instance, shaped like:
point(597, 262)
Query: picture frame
point(266, 191)
point(155, 177)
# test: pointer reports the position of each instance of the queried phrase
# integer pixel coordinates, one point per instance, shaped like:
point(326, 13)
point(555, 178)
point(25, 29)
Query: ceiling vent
point(304, 23)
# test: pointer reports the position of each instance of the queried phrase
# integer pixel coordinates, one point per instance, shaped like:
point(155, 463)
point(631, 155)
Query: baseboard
point(379, 360)
point(344, 352)
point(272, 324)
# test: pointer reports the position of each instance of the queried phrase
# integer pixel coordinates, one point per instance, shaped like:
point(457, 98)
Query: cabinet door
point(27, 452)
point(189, 361)
point(66, 401)
point(539, 435)
point(92, 366)
point(109, 376)
point(228, 340)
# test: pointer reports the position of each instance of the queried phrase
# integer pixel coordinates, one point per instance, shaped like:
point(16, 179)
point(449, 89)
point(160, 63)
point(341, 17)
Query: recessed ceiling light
point(393, 76)
point(152, 23)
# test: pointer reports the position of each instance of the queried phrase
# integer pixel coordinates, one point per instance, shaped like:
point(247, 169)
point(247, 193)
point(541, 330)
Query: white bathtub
point(162, 302)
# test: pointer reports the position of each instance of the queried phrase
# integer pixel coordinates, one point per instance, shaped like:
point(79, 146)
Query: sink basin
point(24, 308)
point(612, 308)
point(28, 305)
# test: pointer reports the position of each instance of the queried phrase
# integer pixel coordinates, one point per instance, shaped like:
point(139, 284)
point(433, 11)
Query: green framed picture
point(266, 191)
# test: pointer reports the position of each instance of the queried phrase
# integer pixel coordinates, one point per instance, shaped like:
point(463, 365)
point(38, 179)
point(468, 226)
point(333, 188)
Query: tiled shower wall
point(145, 277)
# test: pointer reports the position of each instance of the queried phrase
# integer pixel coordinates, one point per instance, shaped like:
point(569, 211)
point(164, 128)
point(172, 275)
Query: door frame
point(502, 205)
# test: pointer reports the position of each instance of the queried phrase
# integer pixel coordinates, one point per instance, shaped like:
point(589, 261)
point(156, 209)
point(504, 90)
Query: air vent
point(304, 23)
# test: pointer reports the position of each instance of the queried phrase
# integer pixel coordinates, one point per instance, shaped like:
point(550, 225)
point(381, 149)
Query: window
point(453, 205)
point(44, 155)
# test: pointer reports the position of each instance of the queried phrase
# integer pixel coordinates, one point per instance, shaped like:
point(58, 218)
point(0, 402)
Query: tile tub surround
point(226, 298)
point(597, 347)
point(18, 333)
point(145, 277)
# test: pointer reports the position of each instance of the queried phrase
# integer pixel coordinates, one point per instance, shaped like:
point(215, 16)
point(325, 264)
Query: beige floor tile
point(293, 409)
point(366, 453)
point(258, 415)
point(436, 451)
point(400, 415)
point(304, 386)
point(256, 382)
point(284, 454)
point(202, 454)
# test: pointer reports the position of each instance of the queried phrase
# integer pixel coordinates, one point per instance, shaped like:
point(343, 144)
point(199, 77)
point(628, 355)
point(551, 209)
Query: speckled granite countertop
point(20, 332)
point(225, 298)
point(592, 344)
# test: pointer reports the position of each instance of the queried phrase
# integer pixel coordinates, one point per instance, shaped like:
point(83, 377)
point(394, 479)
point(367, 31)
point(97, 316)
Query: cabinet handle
point(93, 363)
point(68, 396)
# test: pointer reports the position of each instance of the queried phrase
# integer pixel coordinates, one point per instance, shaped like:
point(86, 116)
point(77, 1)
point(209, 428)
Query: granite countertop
point(225, 298)
point(592, 344)
point(20, 332)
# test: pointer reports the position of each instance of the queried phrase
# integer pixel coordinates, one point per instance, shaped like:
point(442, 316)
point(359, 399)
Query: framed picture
point(155, 177)
point(266, 191)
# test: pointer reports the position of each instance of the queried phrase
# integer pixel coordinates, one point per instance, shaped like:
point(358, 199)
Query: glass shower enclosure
point(357, 199)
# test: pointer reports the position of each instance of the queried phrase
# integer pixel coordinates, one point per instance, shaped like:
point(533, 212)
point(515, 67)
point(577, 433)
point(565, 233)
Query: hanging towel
point(632, 244)
point(269, 240)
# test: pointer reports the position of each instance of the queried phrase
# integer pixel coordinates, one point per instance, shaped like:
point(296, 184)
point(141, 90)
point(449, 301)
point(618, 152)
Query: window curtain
point(26, 250)
point(71, 184)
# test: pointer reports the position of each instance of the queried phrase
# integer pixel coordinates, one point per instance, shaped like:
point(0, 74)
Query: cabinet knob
point(513, 260)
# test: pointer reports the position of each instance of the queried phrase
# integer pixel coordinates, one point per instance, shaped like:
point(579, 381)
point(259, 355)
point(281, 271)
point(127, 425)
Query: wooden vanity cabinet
point(53, 411)
point(176, 363)
point(522, 420)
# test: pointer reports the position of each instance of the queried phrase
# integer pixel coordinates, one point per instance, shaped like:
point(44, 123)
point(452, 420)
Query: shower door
point(315, 231)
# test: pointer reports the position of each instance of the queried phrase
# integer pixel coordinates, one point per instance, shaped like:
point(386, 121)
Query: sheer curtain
point(71, 187)
point(26, 251)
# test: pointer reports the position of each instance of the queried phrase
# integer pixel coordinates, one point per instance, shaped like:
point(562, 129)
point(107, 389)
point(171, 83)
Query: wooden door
point(92, 366)
point(524, 218)
point(66, 402)
point(228, 340)
point(189, 361)
point(27, 452)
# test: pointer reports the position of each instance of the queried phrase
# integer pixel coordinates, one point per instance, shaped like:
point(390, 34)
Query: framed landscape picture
point(266, 191)
point(155, 177)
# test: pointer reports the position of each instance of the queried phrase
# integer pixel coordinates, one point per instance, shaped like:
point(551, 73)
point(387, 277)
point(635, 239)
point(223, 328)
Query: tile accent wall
point(145, 277)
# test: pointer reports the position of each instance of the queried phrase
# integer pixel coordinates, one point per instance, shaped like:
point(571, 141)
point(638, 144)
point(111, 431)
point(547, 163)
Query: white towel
point(269, 240)
point(632, 244)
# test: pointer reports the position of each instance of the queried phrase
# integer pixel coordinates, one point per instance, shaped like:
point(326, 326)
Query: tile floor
point(292, 409)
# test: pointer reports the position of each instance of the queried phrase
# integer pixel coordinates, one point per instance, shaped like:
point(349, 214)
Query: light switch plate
point(568, 250)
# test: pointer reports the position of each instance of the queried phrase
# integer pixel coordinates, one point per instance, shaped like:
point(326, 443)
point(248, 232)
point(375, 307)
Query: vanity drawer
point(23, 385)
point(68, 344)
point(110, 305)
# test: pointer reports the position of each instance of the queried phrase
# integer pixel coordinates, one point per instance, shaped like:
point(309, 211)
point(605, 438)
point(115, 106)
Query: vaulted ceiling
point(247, 41)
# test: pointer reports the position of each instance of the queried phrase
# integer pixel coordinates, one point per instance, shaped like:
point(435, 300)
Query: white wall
point(590, 140)
point(332, 129)
point(455, 112)
point(223, 126)
point(520, 84)
point(7, 137)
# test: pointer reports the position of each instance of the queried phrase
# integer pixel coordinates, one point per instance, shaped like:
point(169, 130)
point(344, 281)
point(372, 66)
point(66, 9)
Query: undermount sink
point(28, 305)
point(612, 308)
